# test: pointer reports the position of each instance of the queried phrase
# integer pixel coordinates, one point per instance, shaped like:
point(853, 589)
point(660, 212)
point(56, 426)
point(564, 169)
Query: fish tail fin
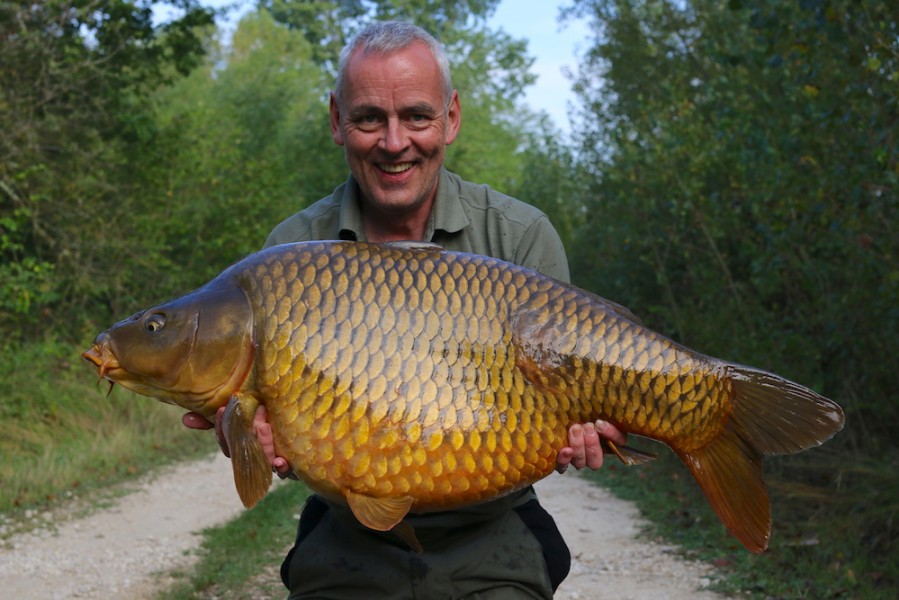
point(771, 416)
point(778, 416)
point(729, 472)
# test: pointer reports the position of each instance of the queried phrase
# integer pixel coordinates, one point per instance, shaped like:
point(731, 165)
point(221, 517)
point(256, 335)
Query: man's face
point(394, 125)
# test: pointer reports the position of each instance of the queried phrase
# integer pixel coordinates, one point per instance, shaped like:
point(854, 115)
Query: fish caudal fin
point(778, 416)
point(729, 472)
point(771, 416)
point(252, 471)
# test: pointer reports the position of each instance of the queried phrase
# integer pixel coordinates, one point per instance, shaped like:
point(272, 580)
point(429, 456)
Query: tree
point(746, 168)
point(73, 81)
point(244, 143)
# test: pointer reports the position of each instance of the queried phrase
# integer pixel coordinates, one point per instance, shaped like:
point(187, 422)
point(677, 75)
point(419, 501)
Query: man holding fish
point(394, 111)
point(403, 380)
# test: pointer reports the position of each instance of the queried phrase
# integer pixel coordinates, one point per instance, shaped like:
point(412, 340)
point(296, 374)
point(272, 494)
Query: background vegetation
point(733, 180)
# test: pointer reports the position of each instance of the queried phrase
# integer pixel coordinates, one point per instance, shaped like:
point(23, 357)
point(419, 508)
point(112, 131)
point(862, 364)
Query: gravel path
point(609, 561)
point(124, 551)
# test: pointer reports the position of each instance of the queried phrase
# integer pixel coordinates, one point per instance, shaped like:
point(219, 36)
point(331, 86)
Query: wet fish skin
point(404, 378)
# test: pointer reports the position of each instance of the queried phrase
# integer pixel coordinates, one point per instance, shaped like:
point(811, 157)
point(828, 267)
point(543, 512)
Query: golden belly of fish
point(451, 381)
point(402, 378)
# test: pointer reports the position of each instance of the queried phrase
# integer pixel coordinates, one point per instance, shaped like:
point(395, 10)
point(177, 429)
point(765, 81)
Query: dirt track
point(125, 550)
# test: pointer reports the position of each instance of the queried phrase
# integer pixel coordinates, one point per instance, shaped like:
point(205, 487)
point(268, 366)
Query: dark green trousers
point(489, 552)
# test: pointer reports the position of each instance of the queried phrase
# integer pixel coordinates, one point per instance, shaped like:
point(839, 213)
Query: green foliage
point(746, 175)
point(243, 143)
point(744, 201)
point(552, 180)
point(328, 24)
point(62, 435)
point(812, 554)
point(74, 79)
point(27, 281)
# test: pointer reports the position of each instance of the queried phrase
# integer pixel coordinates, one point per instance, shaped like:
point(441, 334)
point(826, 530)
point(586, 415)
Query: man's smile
point(395, 168)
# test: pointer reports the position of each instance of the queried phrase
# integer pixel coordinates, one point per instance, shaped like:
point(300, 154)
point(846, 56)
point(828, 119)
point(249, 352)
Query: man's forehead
point(401, 77)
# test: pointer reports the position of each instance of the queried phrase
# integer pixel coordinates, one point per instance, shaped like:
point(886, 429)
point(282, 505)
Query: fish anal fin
point(252, 470)
point(729, 472)
point(627, 455)
point(407, 533)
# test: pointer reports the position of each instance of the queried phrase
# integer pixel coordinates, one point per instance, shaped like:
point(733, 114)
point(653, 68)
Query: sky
point(554, 47)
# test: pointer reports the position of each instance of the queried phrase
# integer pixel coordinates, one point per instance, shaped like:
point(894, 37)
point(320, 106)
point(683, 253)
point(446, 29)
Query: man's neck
point(380, 227)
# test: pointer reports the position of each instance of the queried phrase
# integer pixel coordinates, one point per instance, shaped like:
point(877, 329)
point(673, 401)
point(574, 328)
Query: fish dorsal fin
point(252, 471)
point(622, 311)
point(415, 245)
point(380, 514)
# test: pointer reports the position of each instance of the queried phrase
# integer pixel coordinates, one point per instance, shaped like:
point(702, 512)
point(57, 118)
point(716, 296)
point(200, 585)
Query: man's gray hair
point(387, 37)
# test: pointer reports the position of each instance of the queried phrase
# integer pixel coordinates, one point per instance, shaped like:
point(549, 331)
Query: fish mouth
point(101, 356)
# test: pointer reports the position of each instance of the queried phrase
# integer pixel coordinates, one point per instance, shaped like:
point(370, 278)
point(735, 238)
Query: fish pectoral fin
point(629, 456)
point(252, 471)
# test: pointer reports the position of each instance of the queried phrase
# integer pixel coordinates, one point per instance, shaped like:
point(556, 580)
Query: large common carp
point(402, 377)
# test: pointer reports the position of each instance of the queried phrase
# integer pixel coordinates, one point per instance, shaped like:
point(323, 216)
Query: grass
point(61, 436)
point(824, 543)
point(241, 559)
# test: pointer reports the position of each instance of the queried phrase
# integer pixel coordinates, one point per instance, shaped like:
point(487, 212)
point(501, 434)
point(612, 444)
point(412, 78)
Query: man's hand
point(261, 428)
point(584, 449)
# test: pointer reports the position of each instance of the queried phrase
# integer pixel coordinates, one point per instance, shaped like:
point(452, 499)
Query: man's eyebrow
point(364, 109)
point(420, 108)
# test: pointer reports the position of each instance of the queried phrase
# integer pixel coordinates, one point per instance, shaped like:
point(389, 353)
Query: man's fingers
point(592, 449)
point(609, 431)
point(266, 438)
point(576, 442)
point(564, 459)
point(196, 421)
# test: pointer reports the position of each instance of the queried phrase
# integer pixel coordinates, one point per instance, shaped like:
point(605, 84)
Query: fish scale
point(402, 377)
point(472, 374)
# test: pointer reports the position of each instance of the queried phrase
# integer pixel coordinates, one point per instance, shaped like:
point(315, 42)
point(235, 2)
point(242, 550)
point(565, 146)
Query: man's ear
point(453, 118)
point(334, 111)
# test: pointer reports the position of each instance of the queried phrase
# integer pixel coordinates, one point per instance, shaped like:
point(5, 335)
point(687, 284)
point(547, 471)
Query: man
point(394, 111)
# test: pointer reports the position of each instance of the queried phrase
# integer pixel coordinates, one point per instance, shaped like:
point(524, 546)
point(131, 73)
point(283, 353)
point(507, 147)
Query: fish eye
point(154, 323)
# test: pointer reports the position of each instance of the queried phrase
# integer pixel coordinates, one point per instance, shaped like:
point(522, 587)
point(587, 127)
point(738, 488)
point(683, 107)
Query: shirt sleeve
point(541, 249)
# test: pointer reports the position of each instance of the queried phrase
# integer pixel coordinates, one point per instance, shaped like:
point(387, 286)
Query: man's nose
point(394, 139)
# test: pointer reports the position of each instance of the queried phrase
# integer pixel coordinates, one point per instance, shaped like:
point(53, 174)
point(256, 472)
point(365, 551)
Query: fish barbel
point(404, 378)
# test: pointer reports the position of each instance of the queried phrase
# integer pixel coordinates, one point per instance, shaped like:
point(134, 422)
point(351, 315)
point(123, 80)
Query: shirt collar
point(447, 214)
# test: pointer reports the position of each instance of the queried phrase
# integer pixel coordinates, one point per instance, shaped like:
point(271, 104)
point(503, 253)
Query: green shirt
point(467, 217)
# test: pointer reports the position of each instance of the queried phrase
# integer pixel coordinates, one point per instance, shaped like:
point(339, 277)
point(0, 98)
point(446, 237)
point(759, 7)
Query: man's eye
point(367, 122)
point(370, 119)
point(418, 121)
